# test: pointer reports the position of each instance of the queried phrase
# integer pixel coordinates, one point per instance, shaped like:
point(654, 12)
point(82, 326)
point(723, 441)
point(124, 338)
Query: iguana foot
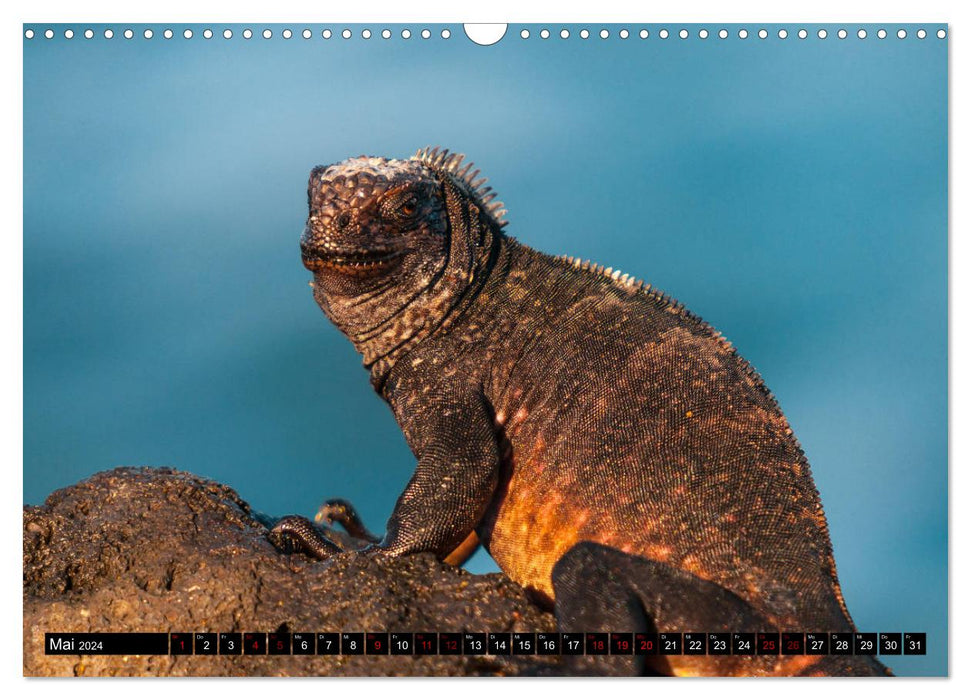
point(601, 588)
point(339, 511)
point(295, 533)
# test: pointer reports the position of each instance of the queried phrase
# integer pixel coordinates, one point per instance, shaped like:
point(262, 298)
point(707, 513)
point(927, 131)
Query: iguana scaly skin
point(613, 453)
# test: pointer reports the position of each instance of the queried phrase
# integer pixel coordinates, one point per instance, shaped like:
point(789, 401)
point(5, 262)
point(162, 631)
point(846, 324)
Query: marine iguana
point(613, 452)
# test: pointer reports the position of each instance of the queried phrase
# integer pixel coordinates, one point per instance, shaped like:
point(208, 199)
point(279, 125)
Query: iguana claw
point(295, 533)
point(341, 512)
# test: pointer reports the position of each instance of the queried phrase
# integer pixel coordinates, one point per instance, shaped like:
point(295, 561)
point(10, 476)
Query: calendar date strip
point(486, 643)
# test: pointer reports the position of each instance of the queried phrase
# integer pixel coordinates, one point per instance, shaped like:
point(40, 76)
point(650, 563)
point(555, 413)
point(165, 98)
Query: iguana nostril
point(343, 220)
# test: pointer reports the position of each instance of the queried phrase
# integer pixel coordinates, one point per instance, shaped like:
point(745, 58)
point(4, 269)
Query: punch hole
point(861, 33)
point(663, 33)
point(783, 34)
point(405, 33)
point(743, 34)
point(68, 33)
point(604, 33)
point(207, 34)
point(287, 34)
point(29, 34)
point(584, 33)
point(524, 34)
point(564, 33)
point(941, 34)
point(901, 33)
point(624, 33)
point(168, 34)
point(763, 34)
point(683, 34)
point(426, 34)
point(446, 34)
point(703, 34)
point(821, 34)
point(247, 33)
point(803, 34)
point(841, 33)
point(644, 34)
point(881, 33)
point(921, 34)
point(722, 33)
point(267, 34)
point(129, 34)
point(326, 34)
point(544, 34)
point(346, 34)
point(306, 33)
point(49, 34)
point(385, 33)
point(366, 34)
point(148, 33)
point(109, 34)
point(485, 34)
point(227, 34)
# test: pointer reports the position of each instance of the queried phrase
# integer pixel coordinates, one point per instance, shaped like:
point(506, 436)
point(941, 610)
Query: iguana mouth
point(349, 261)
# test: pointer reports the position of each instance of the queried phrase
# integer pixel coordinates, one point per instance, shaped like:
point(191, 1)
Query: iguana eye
point(409, 206)
point(402, 206)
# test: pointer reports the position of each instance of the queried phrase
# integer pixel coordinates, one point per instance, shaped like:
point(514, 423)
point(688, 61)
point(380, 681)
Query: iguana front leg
point(457, 473)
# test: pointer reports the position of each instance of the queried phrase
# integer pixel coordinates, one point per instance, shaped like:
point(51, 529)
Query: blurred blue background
point(791, 192)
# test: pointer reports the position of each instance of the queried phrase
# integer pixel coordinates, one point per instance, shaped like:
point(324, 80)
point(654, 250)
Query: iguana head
point(394, 244)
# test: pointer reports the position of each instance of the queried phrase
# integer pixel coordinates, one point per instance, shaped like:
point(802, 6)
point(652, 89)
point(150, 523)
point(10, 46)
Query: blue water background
point(793, 193)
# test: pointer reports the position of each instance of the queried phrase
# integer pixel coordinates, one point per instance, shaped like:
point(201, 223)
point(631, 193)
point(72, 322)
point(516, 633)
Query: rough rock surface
point(158, 550)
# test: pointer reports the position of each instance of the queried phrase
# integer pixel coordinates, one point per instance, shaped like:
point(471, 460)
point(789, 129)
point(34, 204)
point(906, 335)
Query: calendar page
point(542, 349)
